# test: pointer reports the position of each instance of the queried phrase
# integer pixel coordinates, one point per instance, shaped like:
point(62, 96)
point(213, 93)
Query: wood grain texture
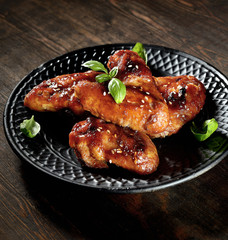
point(36, 206)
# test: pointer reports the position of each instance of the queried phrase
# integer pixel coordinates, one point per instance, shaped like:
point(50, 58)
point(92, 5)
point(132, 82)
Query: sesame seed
point(118, 150)
point(99, 129)
point(56, 89)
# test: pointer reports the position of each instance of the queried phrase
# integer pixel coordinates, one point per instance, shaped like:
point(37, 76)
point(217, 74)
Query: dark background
point(36, 206)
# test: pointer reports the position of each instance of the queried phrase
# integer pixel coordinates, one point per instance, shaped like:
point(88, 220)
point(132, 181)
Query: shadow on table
point(174, 213)
point(94, 214)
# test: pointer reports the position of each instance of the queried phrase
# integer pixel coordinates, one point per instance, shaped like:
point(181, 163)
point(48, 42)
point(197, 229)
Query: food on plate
point(143, 107)
point(185, 97)
point(205, 131)
point(151, 107)
point(100, 144)
point(115, 87)
point(57, 93)
point(139, 110)
point(30, 127)
point(133, 71)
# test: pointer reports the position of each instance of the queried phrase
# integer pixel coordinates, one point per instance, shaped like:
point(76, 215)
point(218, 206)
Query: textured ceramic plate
point(181, 156)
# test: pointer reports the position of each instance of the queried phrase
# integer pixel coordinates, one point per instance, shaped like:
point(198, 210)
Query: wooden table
point(34, 205)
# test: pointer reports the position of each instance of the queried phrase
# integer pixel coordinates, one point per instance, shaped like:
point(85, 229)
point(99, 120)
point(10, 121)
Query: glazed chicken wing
point(57, 93)
point(139, 110)
point(143, 108)
point(99, 144)
point(185, 96)
point(133, 71)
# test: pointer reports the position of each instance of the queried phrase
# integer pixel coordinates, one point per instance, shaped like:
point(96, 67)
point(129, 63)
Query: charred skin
point(98, 144)
point(185, 97)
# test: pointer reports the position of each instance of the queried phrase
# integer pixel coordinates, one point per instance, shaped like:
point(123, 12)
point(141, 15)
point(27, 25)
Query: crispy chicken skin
point(185, 96)
point(139, 110)
point(99, 144)
point(57, 93)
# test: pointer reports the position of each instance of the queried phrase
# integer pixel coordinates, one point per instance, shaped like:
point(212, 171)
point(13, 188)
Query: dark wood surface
point(34, 205)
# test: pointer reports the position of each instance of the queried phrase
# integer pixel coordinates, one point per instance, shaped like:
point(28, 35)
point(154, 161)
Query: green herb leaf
point(217, 143)
point(209, 126)
point(102, 77)
point(139, 48)
point(113, 72)
point(30, 127)
point(95, 66)
point(117, 90)
point(115, 86)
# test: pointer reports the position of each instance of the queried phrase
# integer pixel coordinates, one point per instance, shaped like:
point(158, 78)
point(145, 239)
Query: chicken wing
point(133, 71)
point(143, 108)
point(185, 96)
point(99, 144)
point(57, 93)
point(139, 110)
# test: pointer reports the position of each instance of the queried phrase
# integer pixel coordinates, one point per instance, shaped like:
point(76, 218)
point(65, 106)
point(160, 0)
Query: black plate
point(181, 156)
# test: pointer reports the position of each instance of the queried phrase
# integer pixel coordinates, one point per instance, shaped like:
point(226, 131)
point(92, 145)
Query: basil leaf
point(139, 48)
point(113, 72)
point(209, 126)
point(102, 78)
point(115, 86)
point(117, 90)
point(95, 66)
point(30, 127)
point(217, 143)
